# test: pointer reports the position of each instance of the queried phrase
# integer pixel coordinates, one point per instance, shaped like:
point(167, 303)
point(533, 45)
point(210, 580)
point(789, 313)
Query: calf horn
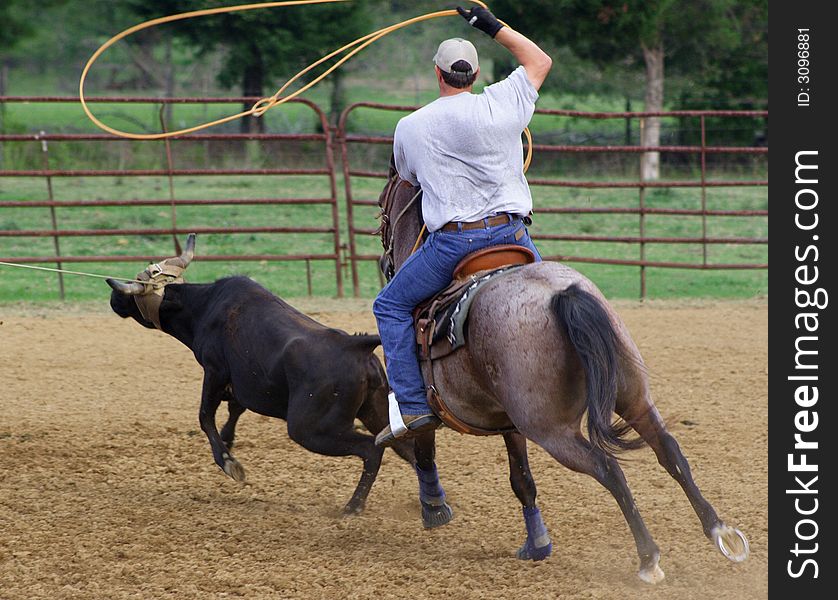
point(132, 288)
point(184, 259)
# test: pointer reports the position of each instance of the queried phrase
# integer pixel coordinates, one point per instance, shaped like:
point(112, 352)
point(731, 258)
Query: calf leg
point(346, 442)
point(235, 410)
point(537, 545)
point(211, 394)
point(435, 510)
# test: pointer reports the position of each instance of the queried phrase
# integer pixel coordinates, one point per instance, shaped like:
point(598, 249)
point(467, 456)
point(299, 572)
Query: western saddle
point(440, 321)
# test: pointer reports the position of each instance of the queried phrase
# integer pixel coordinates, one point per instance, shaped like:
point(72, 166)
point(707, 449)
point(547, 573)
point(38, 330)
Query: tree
point(264, 43)
point(15, 27)
point(16, 19)
point(668, 35)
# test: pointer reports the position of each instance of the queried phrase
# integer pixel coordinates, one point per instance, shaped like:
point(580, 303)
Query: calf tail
point(599, 349)
point(364, 341)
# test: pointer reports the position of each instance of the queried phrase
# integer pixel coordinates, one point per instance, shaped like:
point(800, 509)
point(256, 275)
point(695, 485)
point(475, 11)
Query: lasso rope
point(265, 104)
point(133, 279)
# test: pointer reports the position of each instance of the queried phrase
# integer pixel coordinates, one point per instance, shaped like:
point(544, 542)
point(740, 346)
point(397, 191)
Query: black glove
point(482, 19)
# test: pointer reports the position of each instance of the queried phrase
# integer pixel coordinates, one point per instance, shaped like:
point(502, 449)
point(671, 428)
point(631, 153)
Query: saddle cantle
point(440, 322)
point(493, 257)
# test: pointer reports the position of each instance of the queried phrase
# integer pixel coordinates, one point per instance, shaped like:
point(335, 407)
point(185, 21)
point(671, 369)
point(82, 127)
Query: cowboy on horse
point(465, 152)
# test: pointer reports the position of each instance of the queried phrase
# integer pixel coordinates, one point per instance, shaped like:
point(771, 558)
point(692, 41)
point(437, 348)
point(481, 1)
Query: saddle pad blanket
point(450, 321)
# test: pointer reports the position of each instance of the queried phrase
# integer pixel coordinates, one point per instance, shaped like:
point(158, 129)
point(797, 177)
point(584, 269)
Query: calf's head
point(141, 299)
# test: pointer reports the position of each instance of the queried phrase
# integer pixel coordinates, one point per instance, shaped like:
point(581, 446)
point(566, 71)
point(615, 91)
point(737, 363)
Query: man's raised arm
point(534, 60)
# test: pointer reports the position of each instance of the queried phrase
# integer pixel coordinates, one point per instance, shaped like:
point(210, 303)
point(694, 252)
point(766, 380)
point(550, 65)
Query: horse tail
point(592, 335)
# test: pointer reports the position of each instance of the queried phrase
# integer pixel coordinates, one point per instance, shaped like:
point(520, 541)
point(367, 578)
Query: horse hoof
point(653, 574)
point(731, 542)
point(530, 552)
point(436, 516)
point(233, 468)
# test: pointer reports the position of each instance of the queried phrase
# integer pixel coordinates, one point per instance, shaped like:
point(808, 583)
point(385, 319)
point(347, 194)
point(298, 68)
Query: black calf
point(260, 354)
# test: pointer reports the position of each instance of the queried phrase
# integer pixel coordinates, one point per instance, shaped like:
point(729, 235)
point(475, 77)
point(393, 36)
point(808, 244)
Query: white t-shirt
point(466, 152)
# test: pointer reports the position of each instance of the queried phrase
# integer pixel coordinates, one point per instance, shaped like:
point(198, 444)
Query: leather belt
point(500, 219)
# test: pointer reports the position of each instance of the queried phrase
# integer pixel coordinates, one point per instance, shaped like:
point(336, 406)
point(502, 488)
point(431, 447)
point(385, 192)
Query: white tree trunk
point(651, 131)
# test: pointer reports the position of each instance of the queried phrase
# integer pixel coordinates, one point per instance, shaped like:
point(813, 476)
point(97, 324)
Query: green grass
point(621, 281)
point(289, 279)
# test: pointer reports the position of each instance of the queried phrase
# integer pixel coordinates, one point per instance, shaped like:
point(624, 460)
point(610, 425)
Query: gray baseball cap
point(450, 51)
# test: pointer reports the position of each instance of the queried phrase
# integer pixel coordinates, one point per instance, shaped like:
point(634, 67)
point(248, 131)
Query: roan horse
point(544, 348)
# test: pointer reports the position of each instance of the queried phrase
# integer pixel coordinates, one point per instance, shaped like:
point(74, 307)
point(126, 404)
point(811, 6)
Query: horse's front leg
point(537, 545)
point(435, 511)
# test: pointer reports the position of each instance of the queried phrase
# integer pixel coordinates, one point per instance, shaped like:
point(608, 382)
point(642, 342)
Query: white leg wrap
point(397, 425)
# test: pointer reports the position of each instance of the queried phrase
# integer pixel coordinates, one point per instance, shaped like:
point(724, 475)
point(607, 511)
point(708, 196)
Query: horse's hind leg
point(576, 453)
point(645, 419)
point(435, 510)
point(537, 545)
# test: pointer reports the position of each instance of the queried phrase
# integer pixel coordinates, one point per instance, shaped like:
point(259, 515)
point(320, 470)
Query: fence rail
point(57, 232)
point(348, 142)
point(642, 240)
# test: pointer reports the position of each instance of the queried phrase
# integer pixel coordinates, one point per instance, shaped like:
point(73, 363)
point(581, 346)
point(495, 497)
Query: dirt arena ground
point(108, 489)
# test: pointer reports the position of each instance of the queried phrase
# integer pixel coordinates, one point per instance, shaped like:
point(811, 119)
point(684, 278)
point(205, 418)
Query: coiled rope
point(265, 104)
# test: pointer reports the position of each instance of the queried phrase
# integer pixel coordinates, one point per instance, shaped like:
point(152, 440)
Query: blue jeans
point(426, 272)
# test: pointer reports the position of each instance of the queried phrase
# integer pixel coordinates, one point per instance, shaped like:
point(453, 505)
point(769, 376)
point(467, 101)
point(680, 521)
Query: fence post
point(642, 225)
point(350, 218)
point(53, 216)
point(703, 193)
point(170, 167)
point(333, 187)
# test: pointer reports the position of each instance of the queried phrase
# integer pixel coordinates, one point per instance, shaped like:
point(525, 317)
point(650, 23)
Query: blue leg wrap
point(538, 545)
point(430, 490)
point(435, 511)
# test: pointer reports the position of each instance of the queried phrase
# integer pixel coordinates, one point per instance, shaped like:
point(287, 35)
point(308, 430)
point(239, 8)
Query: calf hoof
point(353, 508)
point(436, 516)
point(233, 468)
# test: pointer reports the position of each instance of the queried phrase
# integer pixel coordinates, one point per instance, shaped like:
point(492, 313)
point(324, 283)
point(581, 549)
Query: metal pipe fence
point(641, 240)
point(357, 166)
point(170, 172)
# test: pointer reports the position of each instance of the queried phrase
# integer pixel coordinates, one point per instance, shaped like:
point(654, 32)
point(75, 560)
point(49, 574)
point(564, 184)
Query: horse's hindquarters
point(518, 366)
